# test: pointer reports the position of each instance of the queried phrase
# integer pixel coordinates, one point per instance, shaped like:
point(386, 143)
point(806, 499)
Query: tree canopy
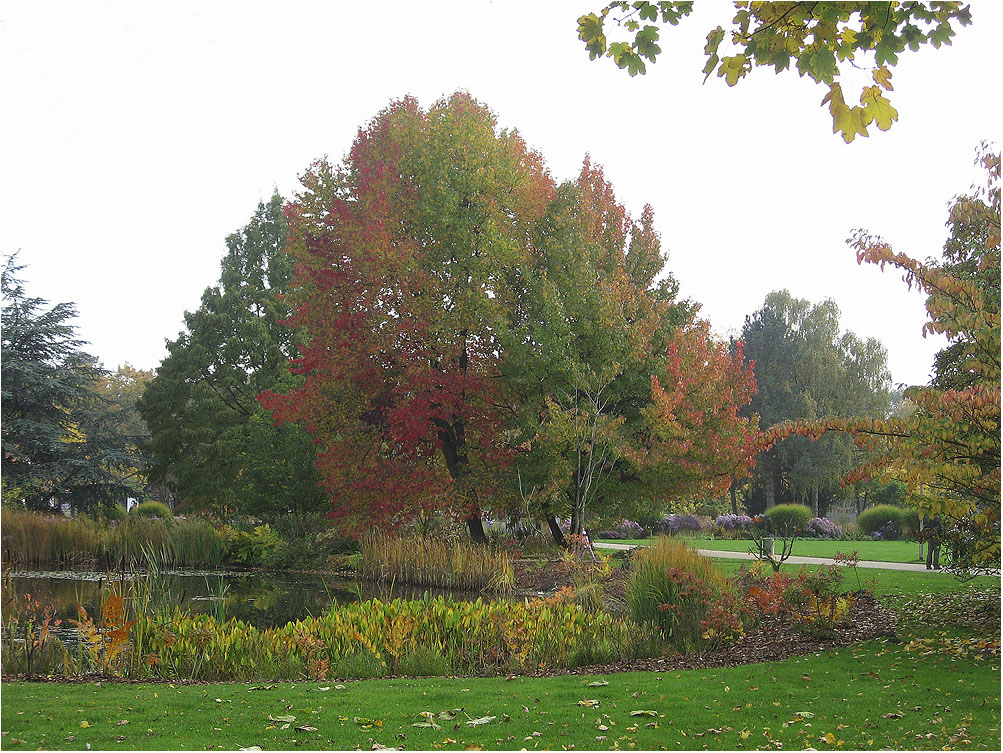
point(60, 439)
point(813, 38)
point(806, 368)
point(947, 450)
point(470, 326)
point(212, 442)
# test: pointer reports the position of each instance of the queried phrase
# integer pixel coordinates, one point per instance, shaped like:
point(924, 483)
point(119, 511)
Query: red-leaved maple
point(405, 254)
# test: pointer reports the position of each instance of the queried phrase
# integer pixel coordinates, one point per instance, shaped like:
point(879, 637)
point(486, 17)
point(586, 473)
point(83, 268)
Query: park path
point(912, 566)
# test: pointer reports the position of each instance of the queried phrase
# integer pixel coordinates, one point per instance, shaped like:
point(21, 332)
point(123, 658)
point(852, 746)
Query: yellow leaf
point(882, 76)
point(878, 108)
point(84, 724)
point(830, 738)
point(733, 68)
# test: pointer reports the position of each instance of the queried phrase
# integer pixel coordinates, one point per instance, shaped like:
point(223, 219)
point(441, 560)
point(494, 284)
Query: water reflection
point(260, 599)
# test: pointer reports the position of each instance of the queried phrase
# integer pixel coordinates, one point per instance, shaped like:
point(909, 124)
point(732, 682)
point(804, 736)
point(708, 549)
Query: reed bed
point(426, 561)
point(32, 539)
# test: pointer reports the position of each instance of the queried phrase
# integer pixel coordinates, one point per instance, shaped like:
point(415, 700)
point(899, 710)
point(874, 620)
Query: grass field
point(877, 551)
point(875, 695)
point(891, 582)
point(937, 686)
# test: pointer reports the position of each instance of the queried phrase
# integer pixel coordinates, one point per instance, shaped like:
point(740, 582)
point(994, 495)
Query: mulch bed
point(868, 620)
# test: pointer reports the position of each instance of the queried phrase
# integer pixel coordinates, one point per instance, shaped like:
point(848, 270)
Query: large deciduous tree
point(625, 401)
point(947, 450)
point(806, 369)
point(213, 443)
point(814, 38)
point(406, 255)
point(61, 442)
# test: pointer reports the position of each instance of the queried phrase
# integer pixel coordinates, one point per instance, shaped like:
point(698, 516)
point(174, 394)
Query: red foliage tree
point(405, 254)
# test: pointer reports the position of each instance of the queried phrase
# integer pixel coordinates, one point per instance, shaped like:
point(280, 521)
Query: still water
point(260, 599)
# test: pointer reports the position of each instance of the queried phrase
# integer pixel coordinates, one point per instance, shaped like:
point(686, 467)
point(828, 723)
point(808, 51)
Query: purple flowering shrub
point(732, 522)
point(823, 528)
point(624, 529)
point(682, 522)
point(890, 531)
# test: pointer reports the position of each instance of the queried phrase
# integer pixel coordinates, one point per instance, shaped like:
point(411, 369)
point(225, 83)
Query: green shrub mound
point(878, 517)
point(786, 520)
point(152, 510)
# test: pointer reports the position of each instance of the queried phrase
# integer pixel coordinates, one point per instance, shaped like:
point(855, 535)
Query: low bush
point(152, 510)
point(261, 546)
point(678, 522)
point(732, 522)
point(624, 529)
point(823, 528)
point(881, 521)
point(810, 601)
point(673, 588)
point(786, 520)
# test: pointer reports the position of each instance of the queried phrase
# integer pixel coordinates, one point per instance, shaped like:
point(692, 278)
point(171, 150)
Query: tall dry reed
point(426, 561)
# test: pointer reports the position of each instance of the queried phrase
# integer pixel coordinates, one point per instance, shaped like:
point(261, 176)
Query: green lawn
point(875, 695)
point(891, 582)
point(877, 551)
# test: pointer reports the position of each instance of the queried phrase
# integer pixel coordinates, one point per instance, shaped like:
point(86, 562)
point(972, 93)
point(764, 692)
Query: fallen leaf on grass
point(596, 684)
point(282, 718)
point(429, 722)
point(644, 712)
point(480, 720)
point(589, 702)
point(893, 715)
point(306, 728)
point(85, 724)
point(804, 714)
point(366, 723)
point(120, 722)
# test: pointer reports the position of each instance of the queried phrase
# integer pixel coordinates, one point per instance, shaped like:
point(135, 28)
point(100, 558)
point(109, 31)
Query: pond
point(262, 599)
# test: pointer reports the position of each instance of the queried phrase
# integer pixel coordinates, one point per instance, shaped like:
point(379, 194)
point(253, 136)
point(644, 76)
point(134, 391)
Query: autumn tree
point(405, 256)
point(58, 446)
point(947, 450)
point(214, 445)
point(624, 400)
point(817, 39)
point(806, 368)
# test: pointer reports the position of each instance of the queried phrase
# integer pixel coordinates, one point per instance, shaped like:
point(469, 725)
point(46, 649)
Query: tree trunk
point(770, 494)
point(814, 500)
point(734, 499)
point(476, 528)
point(556, 532)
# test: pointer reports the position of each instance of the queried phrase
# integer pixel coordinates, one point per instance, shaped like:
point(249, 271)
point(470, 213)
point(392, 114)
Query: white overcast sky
point(137, 135)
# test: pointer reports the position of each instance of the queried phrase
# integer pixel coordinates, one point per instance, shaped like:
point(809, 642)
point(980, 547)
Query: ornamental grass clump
point(787, 520)
point(881, 521)
point(429, 561)
point(675, 589)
